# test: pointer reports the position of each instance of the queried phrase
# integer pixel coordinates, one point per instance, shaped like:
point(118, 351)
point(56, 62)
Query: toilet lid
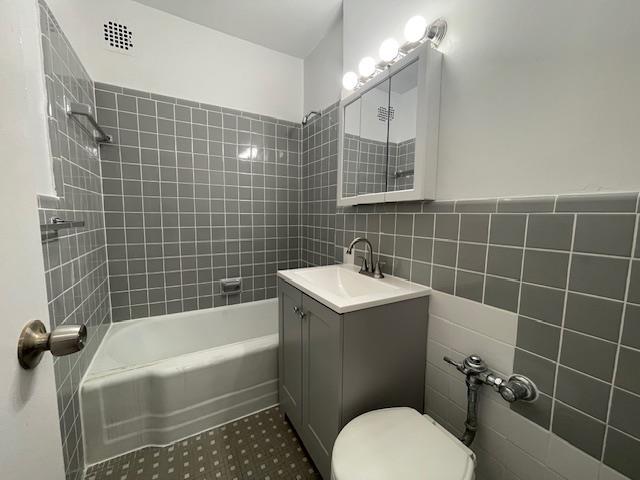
point(399, 443)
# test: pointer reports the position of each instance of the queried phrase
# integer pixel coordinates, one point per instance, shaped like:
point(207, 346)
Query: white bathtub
point(157, 380)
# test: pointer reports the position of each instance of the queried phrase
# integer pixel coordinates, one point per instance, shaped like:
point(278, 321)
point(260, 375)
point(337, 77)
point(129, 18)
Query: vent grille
point(118, 36)
point(384, 113)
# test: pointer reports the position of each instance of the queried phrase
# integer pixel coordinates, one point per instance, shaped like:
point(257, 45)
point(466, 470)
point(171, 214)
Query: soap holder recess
point(231, 286)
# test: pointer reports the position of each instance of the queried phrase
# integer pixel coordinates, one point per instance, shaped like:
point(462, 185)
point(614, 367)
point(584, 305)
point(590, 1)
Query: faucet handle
point(377, 272)
point(364, 266)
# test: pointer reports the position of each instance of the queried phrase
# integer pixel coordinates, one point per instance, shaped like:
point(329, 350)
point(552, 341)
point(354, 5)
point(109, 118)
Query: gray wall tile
point(526, 204)
point(607, 203)
point(624, 412)
point(594, 316)
point(474, 228)
point(538, 369)
point(447, 226)
point(501, 293)
point(634, 283)
point(477, 206)
point(424, 223)
point(469, 285)
point(585, 393)
point(508, 229)
point(603, 276)
point(578, 429)
point(589, 355)
point(545, 268)
point(605, 234)
point(542, 303)
point(631, 330)
point(445, 253)
point(539, 338)
point(627, 374)
point(622, 453)
point(472, 256)
point(504, 262)
point(422, 249)
point(550, 231)
point(443, 279)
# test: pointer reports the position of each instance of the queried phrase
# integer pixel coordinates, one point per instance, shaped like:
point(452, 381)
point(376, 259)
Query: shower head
point(309, 116)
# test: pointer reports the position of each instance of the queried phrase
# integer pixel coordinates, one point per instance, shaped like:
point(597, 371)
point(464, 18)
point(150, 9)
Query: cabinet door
point(290, 353)
point(322, 382)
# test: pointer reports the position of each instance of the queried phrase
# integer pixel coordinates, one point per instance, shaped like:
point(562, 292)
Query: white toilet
point(399, 443)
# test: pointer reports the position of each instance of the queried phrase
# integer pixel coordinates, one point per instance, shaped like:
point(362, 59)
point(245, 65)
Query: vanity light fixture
point(416, 32)
point(350, 80)
point(415, 29)
point(389, 50)
point(367, 67)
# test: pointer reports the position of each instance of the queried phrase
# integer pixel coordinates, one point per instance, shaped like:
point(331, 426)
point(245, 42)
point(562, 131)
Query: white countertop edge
point(421, 291)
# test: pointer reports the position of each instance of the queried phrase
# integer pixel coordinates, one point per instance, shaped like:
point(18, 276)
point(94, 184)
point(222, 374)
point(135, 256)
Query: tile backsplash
point(75, 263)
point(568, 267)
point(193, 194)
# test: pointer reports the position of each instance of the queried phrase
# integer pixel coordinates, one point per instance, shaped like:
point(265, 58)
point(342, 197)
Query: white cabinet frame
point(427, 125)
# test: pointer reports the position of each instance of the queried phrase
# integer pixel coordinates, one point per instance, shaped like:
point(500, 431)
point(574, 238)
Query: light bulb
point(415, 29)
point(350, 80)
point(389, 50)
point(367, 67)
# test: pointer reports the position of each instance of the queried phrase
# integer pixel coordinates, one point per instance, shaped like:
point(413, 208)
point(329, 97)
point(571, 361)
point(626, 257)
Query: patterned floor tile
point(262, 446)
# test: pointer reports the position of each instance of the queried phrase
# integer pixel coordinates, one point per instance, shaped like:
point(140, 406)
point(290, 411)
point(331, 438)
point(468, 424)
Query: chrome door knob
point(34, 341)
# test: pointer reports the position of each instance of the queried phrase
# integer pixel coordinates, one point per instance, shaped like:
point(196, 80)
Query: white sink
point(343, 289)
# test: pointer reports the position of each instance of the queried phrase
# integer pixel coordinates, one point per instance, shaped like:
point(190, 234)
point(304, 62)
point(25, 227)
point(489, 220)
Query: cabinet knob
point(299, 311)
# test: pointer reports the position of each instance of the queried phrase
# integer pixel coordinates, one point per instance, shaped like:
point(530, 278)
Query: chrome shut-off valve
point(514, 388)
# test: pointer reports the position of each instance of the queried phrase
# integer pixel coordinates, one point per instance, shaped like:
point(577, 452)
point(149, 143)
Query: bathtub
point(157, 380)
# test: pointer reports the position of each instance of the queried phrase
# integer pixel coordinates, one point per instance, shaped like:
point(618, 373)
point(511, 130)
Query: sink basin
point(343, 289)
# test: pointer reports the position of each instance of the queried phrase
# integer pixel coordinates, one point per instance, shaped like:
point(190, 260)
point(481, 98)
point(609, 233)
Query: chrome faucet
point(367, 268)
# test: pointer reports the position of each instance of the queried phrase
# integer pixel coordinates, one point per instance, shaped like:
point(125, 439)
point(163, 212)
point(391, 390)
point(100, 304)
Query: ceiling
point(293, 27)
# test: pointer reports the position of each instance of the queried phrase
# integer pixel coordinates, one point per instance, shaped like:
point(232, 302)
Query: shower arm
point(309, 116)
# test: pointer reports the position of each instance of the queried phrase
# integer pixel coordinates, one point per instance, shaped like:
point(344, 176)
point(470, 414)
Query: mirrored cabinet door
point(402, 117)
point(389, 140)
point(350, 148)
point(372, 164)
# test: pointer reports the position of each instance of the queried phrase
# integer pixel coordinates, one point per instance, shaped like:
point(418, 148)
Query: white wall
point(538, 97)
point(29, 426)
point(174, 57)
point(322, 71)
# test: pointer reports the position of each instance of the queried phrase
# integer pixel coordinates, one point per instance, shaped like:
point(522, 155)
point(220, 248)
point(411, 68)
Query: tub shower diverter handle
point(34, 341)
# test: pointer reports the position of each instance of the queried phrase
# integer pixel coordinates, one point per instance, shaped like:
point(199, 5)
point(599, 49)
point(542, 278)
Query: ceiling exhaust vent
point(118, 36)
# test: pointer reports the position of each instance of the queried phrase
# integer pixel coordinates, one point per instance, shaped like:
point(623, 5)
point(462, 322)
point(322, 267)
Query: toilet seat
point(399, 443)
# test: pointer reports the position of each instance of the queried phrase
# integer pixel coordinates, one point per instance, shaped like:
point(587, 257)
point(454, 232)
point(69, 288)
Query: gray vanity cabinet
point(290, 353)
point(334, 367)
point(321, 382)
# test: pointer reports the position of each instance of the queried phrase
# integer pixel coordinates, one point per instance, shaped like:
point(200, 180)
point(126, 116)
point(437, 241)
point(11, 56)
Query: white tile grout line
point(520, 281)
point(486, 258)
point(564, 311)
point(620, 334)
